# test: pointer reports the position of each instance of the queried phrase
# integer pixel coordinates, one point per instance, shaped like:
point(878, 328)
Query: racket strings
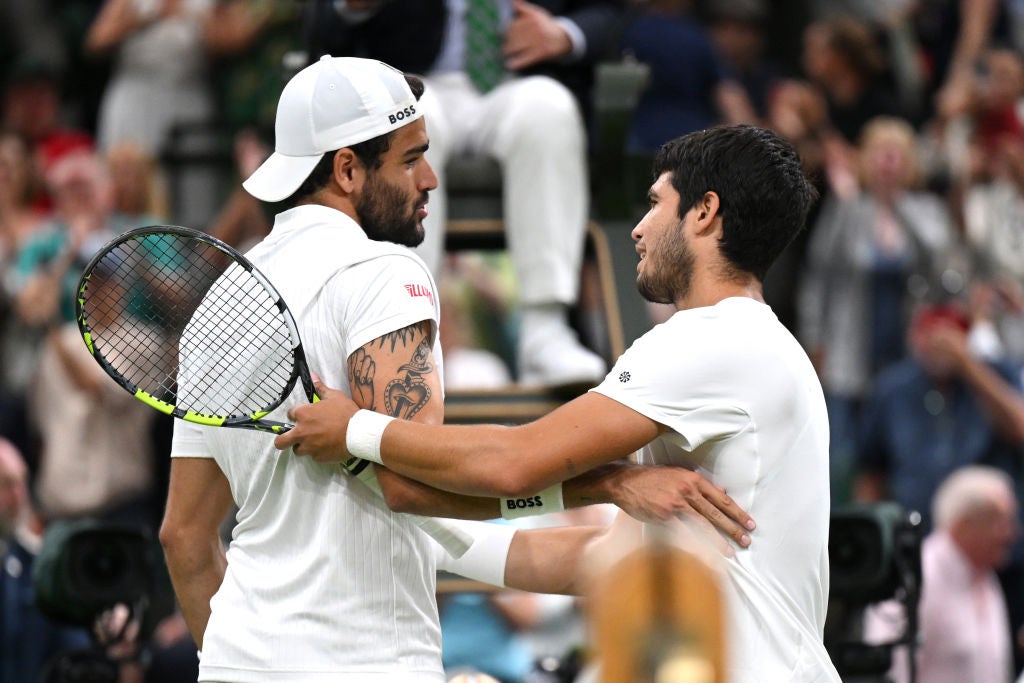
point(177, 318)
point(240, 347)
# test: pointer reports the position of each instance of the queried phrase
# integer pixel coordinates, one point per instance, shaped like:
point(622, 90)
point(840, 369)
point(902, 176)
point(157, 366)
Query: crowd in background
point(907, 288)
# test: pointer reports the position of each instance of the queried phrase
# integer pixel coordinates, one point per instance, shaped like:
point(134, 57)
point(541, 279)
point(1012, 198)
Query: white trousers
point(533, 127)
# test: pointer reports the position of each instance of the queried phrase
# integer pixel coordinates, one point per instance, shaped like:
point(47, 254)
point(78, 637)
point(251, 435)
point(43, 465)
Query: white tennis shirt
point(746, 411)
point(323, 582)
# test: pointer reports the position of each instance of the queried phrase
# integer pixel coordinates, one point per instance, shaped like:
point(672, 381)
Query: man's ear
point(707, 210)
point(348, 170)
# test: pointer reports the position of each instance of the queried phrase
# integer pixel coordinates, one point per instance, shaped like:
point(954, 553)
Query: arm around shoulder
point(491, 460)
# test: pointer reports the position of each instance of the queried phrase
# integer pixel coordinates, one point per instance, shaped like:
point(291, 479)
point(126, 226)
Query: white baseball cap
point(333, 103)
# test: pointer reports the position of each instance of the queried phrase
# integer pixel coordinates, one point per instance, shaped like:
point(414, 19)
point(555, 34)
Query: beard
point(385, 216)
point(669, 270)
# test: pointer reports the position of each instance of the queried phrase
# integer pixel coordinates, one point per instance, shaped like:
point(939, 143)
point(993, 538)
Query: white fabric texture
point(323, 581)
point(747, 412)
point(533, 127)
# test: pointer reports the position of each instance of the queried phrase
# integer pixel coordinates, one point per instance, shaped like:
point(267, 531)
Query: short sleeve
point(187, 441)
point(382, 295)
point(691, 395)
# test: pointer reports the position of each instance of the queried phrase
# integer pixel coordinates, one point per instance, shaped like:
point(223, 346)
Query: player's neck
point(333, 200)
point(709, 290)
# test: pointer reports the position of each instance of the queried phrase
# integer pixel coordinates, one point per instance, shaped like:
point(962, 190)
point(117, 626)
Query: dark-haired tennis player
point(321, 580)
point(721, 387)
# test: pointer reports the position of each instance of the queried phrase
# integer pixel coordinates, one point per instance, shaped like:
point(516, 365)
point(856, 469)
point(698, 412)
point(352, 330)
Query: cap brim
point(279, 176)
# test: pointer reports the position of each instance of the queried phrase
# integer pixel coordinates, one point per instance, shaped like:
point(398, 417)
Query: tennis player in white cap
point(321, 580)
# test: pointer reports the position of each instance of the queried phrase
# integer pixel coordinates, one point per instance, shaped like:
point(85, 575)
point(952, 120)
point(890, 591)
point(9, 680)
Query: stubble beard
point(668, 274)
point(382, 211)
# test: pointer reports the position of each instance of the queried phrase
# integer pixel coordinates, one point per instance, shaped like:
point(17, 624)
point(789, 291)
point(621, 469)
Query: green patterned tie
point(483, 44)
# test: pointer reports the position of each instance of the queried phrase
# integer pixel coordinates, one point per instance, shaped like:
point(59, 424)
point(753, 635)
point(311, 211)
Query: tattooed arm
point(396, 374)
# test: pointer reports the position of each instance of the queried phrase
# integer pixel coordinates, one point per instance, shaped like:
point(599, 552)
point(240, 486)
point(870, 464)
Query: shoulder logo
point(624, 377)
point(416, 290)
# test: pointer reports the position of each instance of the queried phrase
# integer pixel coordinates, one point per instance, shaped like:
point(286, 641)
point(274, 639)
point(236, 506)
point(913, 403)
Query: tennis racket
point(190, 327)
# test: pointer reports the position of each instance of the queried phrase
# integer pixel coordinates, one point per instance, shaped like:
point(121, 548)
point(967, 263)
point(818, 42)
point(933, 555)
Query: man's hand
point(533, 37)
point(660, 494)
point(320, 428)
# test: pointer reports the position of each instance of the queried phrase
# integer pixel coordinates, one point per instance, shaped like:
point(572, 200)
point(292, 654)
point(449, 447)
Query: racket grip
point(454, 540)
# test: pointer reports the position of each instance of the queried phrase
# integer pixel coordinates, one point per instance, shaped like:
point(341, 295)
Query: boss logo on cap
point(404, 114)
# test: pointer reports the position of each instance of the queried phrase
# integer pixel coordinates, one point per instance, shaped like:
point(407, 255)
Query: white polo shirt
point(323, 582)
point(746, 411)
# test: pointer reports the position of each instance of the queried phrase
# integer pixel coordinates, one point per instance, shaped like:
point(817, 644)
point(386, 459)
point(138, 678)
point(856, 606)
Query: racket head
point(188, 325)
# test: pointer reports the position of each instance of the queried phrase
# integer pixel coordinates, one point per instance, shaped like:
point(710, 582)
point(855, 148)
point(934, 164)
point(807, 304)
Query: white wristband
point(548, 500)
point(486, 558)
point(365, 430)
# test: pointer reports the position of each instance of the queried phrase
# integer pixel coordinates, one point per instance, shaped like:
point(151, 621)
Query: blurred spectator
point(481, 633)
point(798, 112)
point(259, 48)
point(32, 109)
point(18, 219)
point(96, 456)
point(28, 640)
point(159, 95)
point(737, 30)
point(963, 627)
point(32, 103)
point(878, 245)
point(44, 277)
point(842, 57)
point(523, 117)
point(690, 88)
point(137, 184)
point(242, 220)
point(967, 140)
point(19, 184)
point(985, 149)
point(50, 262)
point(953, 35)
point(938, 409)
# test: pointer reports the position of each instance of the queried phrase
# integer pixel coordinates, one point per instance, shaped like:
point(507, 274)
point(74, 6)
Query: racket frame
point(254, 420)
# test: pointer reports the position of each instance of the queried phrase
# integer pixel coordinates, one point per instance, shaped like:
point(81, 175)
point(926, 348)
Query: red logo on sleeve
point(420, 290)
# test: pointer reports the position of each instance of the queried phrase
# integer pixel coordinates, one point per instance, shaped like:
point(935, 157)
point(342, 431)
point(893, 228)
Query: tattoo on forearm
point(406, 395)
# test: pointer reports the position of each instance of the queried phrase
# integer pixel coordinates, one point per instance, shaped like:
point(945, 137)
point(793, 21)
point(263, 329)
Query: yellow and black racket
point(189, 326)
